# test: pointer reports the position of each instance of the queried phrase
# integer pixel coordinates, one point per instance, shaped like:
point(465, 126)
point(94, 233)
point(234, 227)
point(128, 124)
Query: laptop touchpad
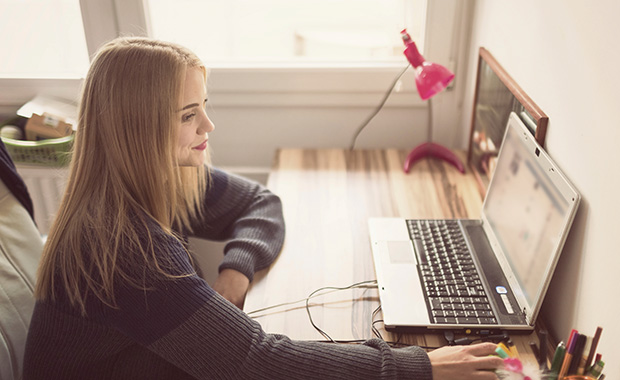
point(401, 252)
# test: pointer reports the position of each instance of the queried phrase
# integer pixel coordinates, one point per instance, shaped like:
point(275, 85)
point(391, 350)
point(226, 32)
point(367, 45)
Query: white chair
point(20, 250)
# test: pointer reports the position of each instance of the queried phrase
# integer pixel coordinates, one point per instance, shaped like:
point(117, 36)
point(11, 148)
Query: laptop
point(490, 274)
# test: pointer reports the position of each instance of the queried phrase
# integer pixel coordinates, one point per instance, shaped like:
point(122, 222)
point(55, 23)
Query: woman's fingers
point(488, 362)
point(482, 349)
point(475, 362)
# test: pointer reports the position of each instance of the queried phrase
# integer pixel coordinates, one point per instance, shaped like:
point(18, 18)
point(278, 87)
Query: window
point(323, 52)
point(289, 31)
point(42, 39)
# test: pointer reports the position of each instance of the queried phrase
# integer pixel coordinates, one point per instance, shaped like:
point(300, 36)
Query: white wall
point(259, 110)
point(256, 111)
point(563, 53)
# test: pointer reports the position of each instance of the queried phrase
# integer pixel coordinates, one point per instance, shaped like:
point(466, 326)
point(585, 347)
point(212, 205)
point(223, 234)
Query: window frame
point(336, 85)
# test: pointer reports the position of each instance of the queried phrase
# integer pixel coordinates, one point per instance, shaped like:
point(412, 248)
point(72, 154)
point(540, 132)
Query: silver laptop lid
point(527, 214)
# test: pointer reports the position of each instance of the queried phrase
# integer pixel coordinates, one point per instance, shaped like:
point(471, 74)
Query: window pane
point(42, 39)
point(289, 30)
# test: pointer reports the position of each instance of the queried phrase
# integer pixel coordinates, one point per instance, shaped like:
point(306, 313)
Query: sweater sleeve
point(246, 215)
point(185, 322)
point(12, 180)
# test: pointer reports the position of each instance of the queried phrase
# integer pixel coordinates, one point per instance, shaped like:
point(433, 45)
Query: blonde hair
point(123, 172)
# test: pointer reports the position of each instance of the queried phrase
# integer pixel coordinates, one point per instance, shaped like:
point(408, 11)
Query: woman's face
point(193, 122)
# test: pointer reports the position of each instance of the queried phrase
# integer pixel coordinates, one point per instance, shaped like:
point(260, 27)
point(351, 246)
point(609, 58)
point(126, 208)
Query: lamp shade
point(430, 78)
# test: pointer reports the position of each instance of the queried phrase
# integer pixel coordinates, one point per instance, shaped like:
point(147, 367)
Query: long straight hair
point(123, 173)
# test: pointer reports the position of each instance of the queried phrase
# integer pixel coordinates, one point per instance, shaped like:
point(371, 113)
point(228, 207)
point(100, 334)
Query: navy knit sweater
point(12, 180)
point(183, 329)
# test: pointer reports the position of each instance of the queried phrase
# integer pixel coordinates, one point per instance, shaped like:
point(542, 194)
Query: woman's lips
point(202, 146)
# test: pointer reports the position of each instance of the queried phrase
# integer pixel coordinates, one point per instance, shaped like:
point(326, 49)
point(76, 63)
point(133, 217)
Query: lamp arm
point(379, 107)
point(429, 127)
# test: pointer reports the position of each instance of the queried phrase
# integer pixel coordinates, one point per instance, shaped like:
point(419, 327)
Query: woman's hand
point(233, 286)
point(465, 362)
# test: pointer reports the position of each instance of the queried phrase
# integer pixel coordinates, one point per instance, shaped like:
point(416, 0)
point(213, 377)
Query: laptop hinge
point(525, 316)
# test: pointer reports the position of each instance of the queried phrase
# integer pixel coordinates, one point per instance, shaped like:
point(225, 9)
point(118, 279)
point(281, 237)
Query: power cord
point(331, 289)
point(375, 331)
point(317, 328)
point(300, 300)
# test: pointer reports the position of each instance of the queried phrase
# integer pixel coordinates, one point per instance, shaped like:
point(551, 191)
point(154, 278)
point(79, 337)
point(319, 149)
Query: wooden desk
point(328, 196)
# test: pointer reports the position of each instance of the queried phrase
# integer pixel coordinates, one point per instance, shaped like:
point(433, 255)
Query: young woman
point(117, 294)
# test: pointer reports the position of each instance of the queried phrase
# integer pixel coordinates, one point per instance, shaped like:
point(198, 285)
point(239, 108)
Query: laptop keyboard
point(453, 289)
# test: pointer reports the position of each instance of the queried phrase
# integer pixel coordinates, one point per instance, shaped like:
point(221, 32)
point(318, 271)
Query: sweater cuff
point(413, 363)
point(241, 262)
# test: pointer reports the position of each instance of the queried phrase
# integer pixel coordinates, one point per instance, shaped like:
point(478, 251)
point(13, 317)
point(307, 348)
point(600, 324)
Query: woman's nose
point(207, 125)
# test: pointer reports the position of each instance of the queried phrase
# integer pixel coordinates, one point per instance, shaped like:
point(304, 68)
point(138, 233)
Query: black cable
point(449, 336)
point(391, 344)
point(374, 329)
point(325, 335)
point(385, 98)
point(377, 333)
point(266, 308)
point(317, 328)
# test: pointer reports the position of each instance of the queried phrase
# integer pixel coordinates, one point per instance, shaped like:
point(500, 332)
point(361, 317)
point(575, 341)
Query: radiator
point(46, 187)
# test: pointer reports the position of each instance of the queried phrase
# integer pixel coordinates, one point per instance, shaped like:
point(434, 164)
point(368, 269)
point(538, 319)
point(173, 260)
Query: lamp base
point(433, 150)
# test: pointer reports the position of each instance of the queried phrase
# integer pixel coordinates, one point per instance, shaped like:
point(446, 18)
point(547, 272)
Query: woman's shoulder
point(146, 229)
point(147, 252)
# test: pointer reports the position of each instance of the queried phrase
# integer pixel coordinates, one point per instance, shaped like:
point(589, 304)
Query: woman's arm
point(233, 286)
point(186, 323)
point(246, 215)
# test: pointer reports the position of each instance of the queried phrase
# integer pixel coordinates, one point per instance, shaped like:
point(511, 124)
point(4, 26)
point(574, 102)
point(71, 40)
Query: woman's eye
point(188, 117)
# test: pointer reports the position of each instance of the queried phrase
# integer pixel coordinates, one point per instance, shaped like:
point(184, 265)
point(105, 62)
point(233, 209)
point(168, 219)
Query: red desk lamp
point(430, 79)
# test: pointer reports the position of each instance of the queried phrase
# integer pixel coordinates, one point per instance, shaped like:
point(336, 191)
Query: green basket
point(49, 152)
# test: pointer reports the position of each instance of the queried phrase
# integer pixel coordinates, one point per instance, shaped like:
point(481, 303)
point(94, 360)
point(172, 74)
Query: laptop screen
point(528, 209)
